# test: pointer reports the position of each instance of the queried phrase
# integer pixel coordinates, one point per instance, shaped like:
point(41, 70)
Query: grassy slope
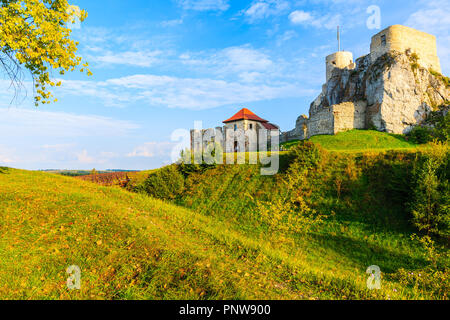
point(127, 245)
point(361, 140)
point(367, 222)
point(132, 246)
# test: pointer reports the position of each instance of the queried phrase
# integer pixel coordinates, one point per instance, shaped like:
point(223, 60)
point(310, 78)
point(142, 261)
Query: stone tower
point(341, 60)
point(404, 39)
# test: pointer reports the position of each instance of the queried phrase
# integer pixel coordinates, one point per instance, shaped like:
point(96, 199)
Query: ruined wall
point(300, 132)
point(349, 115)
point(400, 38)
point(321, 122)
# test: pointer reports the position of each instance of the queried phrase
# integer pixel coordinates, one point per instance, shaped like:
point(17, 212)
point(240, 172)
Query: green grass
point(130, 246)
point(290, 144)
point(361, 141)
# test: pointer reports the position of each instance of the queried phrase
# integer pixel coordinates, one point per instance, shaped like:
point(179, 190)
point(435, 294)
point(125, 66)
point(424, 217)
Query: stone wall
point(349, 115)
point(321, 122)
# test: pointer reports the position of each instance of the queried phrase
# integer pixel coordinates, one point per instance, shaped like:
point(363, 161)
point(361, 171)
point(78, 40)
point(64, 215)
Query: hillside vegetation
point(226, 232)
point(128, 246)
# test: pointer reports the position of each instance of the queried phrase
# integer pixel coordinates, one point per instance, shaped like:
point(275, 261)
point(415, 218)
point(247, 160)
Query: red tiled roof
point(270, 126)
point(245, 114)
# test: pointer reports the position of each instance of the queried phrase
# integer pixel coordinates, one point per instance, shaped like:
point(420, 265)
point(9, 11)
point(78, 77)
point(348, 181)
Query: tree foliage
point(431, 197)
point(437, 127)
point(165, 183)
point(35, 35)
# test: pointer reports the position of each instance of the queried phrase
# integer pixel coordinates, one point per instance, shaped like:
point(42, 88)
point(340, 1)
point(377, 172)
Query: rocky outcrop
point(393, 94)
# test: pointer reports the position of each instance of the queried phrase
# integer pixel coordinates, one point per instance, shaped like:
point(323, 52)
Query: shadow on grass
point(366, 253)
point(4, 170)
point(403, 139)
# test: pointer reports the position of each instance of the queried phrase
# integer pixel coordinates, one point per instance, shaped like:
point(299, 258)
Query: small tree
point(425, 212)
point(431, 204)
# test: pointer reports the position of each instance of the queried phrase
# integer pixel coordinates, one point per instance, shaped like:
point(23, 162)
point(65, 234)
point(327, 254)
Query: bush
point(421, 135)
point(442, 131)
point(166, 183)
point(288, 210)
point(430, 207)
point(438, 127)
point(305, 155)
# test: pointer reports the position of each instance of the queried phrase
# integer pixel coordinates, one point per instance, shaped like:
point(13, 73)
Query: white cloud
point(80, 88)
point(152, 149)
point(5, 156)
point(237, 59)
point(204, 93)
point(262, 9)
point(172, 23)
point(204, 5)
point(432, 17)
point(131, 58)
point(228, 76)
point(84, 158)
point(191, 93)
point(230, 62)
point(188, 93)
point(300, 17)
point(286, 36)
point(250, 76)
point(5, 160)
point(58, 147)
point(33, 123)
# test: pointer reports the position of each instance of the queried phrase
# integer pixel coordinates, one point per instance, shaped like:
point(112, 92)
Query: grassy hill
point(128, 246)
point(360, 141)
point(230, 234)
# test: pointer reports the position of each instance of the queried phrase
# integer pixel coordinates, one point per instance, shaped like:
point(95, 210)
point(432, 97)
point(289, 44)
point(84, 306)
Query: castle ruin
point(392, 88)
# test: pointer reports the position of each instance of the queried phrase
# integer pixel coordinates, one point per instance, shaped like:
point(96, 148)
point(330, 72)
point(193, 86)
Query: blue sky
point(160, 65)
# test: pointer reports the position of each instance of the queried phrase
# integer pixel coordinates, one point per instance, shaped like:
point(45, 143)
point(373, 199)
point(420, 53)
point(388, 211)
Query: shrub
point(442, 124)
point(414, 58)
point(372, 126)
point(288, 209)
point(421, 135)
point(440, 76)
point(430, 207)
point(438, 127)
point(166, 183)
point(305, 155)
point(428, 279)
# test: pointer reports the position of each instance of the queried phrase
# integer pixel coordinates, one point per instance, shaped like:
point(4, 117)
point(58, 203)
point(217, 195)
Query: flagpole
point(339, 39)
